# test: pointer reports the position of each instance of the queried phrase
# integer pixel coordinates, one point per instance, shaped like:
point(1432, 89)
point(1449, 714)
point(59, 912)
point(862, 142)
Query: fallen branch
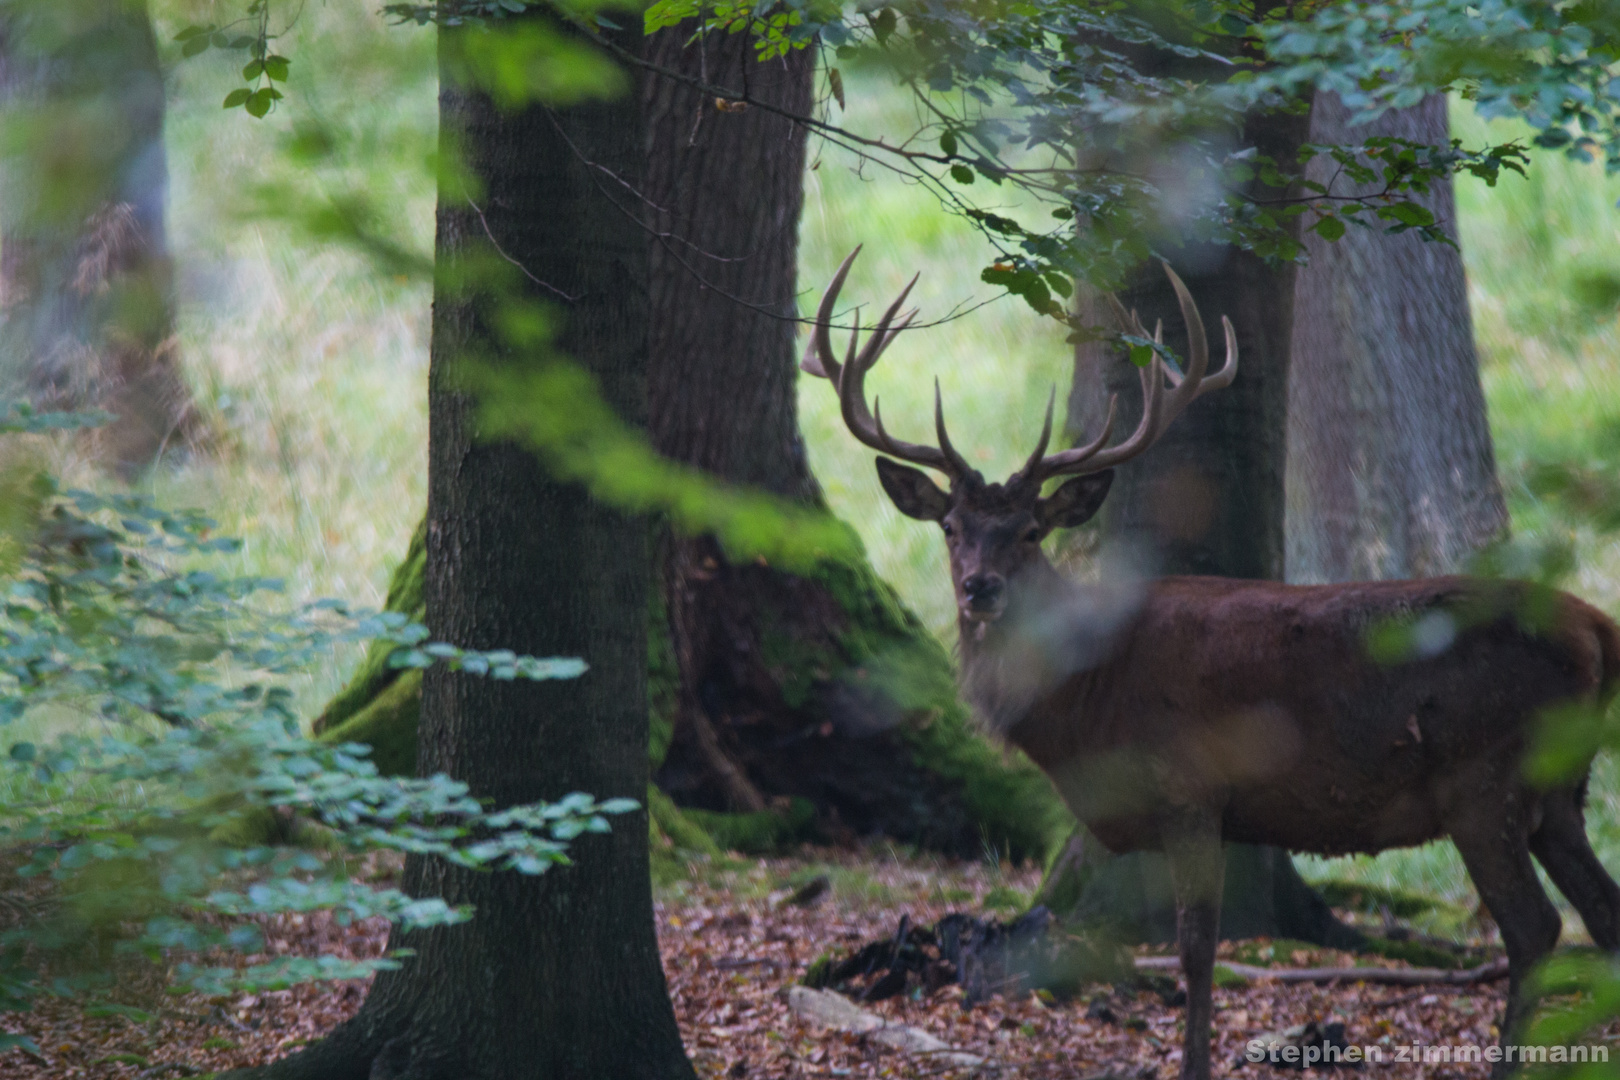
point(837, 1012)
point(1494, 969)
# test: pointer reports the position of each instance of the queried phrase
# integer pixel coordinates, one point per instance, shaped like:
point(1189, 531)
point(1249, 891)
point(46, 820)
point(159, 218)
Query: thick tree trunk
point(728, 188)
point(86, 282)
point(1390, 468)
point(1207, 499)
point(557, 976)
point(726, 191)
point(790, 688)
point(784, 706)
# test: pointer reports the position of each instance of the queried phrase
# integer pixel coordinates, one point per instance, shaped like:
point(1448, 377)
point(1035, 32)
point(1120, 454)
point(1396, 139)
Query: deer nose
point(982, 589)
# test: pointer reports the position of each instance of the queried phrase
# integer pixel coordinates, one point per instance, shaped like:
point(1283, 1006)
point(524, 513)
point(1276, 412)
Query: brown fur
point(1177, 714)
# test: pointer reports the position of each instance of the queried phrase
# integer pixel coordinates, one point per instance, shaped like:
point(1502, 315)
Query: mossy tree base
point(823, 689)
point(822, 698)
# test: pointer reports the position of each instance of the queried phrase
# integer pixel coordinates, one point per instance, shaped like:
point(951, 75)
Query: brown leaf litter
point(735, 935)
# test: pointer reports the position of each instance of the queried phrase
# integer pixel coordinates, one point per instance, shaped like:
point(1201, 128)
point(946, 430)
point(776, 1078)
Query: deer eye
point(947, 528)
point(1033, 536)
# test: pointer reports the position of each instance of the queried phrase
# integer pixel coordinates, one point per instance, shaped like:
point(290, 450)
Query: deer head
point(994, 531)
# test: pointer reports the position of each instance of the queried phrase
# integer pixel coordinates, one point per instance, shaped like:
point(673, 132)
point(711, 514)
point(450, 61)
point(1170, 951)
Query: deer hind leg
point(1192, 846)
point(1561, 846)
point(1494, 843)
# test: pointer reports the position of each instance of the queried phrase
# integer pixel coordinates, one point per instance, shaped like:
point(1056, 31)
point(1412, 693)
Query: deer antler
point(849, 378)
point(1159, 409)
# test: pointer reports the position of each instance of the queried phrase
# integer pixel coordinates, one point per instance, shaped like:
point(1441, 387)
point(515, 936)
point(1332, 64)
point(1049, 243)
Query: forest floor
point(733, 943)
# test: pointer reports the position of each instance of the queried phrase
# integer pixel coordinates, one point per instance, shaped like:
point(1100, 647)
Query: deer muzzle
point(984, 596)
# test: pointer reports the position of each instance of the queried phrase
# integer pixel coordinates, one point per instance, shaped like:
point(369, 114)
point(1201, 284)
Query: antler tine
point(849, 378)
point(1223, 378)
point(1039, 468)
point(1159, 409)
point(1150, 428)
point(956, 460)
point(818, 354)
point(1170, 373)
point(1193, 383)
point(883, 335)
point(1036, 458)
point(903, 324)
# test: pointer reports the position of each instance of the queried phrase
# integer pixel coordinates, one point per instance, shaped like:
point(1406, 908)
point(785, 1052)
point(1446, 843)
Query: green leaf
point(20, 1042)
point(883, 24)
point(1036, 294)
point(1141, 355)
point(193, 31)
point(194, 46)
point(237, 98)
point(258, 104)
point(276, 67)
point(947, 143)
point(1407, 213)
point(253, 70)
point(23, 751)
point(961, 174)
point(1329, 228)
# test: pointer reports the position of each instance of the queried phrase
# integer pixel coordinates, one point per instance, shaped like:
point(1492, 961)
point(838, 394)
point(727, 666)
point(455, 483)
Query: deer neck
point(1052, 632)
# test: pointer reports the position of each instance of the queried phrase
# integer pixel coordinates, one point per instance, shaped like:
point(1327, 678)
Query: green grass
point(310, 364)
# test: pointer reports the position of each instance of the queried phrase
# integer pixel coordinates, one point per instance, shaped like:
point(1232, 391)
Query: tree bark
point(1207, 499)
point(791, 705)
point(1391, 473)
point(728, 190)
point(86, 281)
point(781, 693)
point(557, 976)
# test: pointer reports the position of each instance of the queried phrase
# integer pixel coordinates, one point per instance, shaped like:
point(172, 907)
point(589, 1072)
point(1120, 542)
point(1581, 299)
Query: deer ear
point(1075, 502)
point(913, 493)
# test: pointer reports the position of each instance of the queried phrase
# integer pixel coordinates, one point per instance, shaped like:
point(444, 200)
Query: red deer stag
point(1187, 711)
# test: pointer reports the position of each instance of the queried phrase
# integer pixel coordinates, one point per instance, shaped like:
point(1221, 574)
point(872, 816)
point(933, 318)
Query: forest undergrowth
point(310, 367)
point(734, 941)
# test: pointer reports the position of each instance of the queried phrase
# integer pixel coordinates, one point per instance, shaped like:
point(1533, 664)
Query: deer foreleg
point(1192, 845)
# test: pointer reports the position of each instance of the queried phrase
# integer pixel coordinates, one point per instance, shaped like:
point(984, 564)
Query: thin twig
point(496, 244)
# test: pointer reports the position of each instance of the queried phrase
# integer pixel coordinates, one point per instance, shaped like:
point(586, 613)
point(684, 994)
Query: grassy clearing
point(311, 364)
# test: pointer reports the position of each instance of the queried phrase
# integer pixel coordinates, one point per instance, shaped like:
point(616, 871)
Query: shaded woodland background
point(307, 368)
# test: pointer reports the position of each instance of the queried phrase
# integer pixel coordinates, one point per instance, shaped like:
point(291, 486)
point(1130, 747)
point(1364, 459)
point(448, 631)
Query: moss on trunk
point(901, 759)
point(374, 676)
